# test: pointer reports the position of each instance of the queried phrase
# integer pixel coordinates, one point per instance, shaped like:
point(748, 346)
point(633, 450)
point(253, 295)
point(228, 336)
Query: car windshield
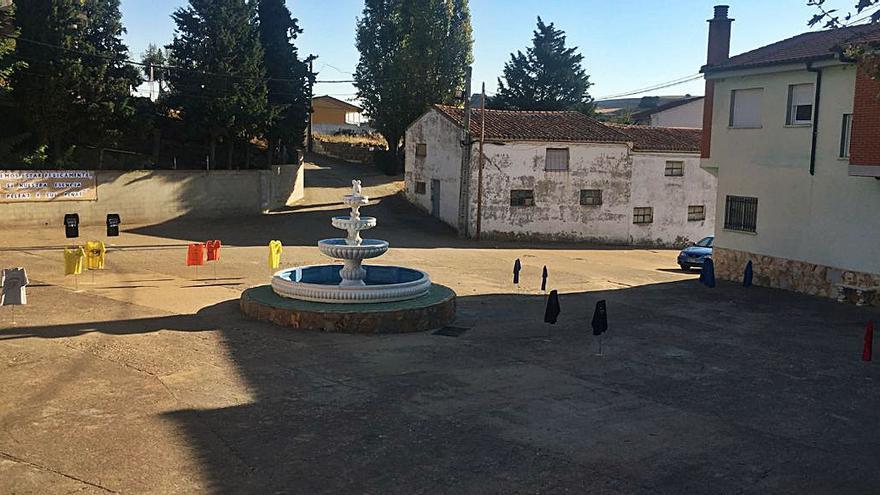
point(705, 242)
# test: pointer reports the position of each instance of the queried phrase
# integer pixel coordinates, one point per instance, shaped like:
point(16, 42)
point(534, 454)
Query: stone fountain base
point(435, 309)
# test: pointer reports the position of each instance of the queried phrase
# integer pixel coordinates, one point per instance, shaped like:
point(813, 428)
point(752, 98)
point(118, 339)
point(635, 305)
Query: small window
point(745, 107)
point(421, 149)
point(845, 135)
point(674, 169)
point(591, 197)
point(556, 159)
point(800, 104)
point(696, 213)
point(420, 187)
point(643, 215)
point(741, 213)
point(522, 197)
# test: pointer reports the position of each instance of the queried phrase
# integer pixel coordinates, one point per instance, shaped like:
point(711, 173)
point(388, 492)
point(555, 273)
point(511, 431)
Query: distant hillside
point(633, 103)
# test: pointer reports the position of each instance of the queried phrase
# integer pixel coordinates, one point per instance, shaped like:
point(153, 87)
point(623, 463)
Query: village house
point(331, 114)
point(792, 131)
point(560, 176)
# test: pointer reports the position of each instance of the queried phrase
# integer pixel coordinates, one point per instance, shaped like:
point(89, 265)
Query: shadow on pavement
point(697, 390)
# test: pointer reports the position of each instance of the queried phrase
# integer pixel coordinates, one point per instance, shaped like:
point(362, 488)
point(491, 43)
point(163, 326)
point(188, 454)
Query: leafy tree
point(648, 102)
point(289, 77)
point(75, 85)
point(413, 53)
point(154, 62)
point(548, 76)
point(218, 83)
point(831, 18)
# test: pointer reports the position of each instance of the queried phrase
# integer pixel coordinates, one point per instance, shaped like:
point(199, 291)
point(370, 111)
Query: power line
point(169, 68)
point(668, 84)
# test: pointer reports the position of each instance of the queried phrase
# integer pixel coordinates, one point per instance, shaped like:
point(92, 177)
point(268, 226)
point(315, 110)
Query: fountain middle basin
point(323, 283)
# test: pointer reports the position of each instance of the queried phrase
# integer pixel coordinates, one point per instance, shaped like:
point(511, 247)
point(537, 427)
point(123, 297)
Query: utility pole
point(309, 146)
point(465, 175)
point(480, 161)
point(151, 82)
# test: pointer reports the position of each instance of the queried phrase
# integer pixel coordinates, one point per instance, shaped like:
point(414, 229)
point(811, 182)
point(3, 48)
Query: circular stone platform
point(436, 309)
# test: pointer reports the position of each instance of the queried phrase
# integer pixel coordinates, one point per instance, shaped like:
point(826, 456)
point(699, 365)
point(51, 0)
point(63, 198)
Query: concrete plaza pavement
point(150, 381)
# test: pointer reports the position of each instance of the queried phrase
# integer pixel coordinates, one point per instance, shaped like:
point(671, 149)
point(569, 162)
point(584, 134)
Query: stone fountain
point(352, 282)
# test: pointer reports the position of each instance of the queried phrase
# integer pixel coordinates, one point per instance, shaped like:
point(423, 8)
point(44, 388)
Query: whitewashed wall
point(670, 198)
point(557, 214)
point(443, 162)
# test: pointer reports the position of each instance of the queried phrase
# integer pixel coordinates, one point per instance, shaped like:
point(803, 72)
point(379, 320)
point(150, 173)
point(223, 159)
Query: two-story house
point(560, 176)
point(792, 131)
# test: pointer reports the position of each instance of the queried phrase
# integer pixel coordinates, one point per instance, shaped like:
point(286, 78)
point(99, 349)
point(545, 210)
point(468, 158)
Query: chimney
point(719, 36)
point(717, 52)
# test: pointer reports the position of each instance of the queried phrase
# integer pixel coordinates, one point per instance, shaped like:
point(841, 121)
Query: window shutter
point(556, 159)
point(745, 108)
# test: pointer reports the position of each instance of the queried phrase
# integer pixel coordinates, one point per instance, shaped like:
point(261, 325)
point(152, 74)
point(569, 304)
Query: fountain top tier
point(354, 223)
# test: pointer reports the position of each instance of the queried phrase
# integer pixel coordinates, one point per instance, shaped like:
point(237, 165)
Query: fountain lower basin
point(323, 283)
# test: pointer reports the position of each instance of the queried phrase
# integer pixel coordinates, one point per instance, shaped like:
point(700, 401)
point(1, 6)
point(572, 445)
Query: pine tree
point(548, 76)
point(107, 77)
point(413, 53)
point(75, 86)
point(219, 81)
point(7, 47)
point(289, 77)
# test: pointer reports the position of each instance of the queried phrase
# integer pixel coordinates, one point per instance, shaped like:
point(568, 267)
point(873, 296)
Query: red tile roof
point(561, 126)
point(664, 139)
point(812, 46)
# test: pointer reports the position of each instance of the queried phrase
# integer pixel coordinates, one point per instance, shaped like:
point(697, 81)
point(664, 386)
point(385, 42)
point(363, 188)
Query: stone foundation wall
point(798, 276)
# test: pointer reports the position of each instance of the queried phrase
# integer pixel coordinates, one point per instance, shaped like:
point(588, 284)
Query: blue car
point(693, 256)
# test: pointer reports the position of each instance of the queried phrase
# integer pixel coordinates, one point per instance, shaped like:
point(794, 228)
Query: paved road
point(149, 380)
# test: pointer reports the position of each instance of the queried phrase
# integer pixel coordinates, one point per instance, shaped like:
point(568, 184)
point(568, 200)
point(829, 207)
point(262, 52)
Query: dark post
point(309, 146)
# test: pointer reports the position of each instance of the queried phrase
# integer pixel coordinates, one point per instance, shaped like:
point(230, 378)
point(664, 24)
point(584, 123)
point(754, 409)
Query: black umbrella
point(552, 311)
point(748, 274)
point(600, 318)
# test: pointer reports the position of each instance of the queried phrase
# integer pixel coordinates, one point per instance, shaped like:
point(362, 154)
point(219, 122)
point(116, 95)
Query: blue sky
point(627, 44)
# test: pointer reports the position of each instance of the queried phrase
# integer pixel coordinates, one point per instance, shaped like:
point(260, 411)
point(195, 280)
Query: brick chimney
point(718, 51)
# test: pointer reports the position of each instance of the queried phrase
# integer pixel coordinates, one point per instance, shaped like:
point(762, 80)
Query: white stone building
point(561, 176)
point(793, 134)
point(686, 112)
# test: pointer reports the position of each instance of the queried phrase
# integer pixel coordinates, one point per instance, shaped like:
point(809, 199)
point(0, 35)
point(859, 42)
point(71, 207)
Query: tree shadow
point(695, 385)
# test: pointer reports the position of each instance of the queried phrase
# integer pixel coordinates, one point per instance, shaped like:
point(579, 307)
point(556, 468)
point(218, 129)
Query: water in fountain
point(352, 282)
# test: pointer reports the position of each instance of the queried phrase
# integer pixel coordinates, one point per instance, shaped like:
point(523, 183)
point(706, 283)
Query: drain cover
point(451, 331)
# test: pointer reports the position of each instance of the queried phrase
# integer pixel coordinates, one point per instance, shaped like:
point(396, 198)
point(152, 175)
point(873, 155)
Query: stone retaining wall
point(346, 152)
point(155, 196)
point(798, 276)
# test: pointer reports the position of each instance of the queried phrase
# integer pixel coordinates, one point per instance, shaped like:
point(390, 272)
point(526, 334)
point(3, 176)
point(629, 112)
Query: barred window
point(591, 197)
point(556, 159)
point(674, 169)
point(522, 197)
point(421, 149)
point(643, 214)
point(741, 213)
point(696, 213)
point(420, 187)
